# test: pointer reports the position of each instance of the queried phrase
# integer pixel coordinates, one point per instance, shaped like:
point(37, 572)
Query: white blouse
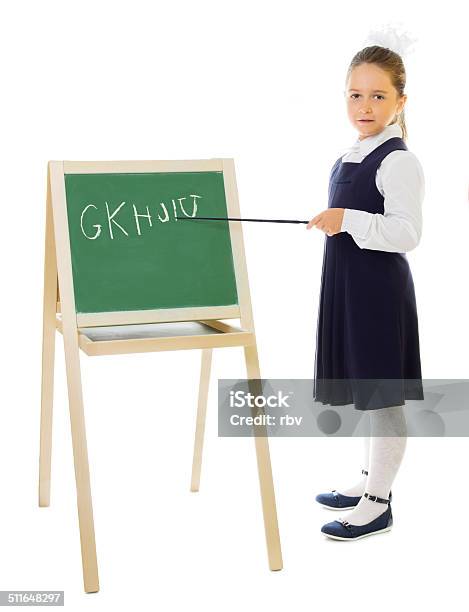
point(401, 181)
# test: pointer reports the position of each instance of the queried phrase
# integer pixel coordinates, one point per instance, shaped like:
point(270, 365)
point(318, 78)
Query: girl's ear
point(401, 103)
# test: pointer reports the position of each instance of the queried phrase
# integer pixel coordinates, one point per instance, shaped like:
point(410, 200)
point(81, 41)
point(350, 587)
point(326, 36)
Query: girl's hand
point(329, 221)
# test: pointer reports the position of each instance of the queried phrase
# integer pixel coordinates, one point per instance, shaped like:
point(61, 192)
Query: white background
point(261, 82)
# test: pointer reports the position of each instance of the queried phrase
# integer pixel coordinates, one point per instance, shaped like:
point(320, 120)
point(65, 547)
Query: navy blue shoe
point(343, 530)
point(337, 501)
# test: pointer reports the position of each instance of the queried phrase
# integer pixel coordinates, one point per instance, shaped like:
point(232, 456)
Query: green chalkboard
point(129, 250)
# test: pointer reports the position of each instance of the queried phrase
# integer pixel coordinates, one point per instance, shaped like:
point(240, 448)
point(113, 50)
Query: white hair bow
point(392, 37)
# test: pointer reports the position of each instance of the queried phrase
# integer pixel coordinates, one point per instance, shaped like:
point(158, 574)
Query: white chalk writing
point(88, 217)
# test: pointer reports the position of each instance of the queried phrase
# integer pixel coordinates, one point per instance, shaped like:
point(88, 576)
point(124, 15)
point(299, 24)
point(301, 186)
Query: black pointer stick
point(236, 219)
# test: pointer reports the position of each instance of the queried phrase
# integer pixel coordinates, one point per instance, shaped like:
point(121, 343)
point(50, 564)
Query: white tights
point(385, 450)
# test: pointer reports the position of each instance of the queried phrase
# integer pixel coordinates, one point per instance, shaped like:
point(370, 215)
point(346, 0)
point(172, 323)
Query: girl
point(367, 345)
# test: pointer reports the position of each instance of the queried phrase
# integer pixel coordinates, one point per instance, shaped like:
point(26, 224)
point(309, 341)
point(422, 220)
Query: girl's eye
point(380, 96)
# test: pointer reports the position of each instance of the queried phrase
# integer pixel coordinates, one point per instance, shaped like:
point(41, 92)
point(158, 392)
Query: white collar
point(365, 146)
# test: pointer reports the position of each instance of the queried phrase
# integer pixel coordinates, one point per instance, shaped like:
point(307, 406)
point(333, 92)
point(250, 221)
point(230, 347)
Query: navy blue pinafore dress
point(367, 341)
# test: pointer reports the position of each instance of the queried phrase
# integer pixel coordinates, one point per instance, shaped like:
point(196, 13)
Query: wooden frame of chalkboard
point(60, 314)
point(241, 310)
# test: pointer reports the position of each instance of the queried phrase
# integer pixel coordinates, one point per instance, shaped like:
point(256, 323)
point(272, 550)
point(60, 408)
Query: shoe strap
point(376, 498)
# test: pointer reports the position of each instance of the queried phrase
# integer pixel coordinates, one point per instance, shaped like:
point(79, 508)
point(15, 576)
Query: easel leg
point(201, 413)
point(56, 199)
point(47, 398)
point(82, 473)
point(48, 355)
point(265, 475)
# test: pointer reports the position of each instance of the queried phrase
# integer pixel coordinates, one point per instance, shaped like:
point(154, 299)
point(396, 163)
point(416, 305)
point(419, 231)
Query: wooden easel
point(60, 314)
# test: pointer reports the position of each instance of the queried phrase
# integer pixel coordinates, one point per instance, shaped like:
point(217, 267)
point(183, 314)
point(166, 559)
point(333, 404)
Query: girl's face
point(372, 100)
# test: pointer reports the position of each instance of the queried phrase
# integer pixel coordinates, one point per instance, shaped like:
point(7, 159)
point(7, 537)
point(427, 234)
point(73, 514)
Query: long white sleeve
point(401, 181)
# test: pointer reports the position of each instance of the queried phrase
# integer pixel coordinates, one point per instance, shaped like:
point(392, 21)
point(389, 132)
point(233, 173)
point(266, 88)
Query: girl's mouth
point(365, 120)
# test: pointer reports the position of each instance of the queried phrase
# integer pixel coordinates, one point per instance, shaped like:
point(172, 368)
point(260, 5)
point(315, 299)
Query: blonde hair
point(392, 63)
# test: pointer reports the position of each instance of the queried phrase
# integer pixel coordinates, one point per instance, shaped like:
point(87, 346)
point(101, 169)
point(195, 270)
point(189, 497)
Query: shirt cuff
point(356, 222)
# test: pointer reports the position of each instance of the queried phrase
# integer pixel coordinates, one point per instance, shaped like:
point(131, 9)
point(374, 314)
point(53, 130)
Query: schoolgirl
point(367, 342)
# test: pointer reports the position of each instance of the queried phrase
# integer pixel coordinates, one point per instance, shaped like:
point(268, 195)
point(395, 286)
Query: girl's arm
point(400, 228)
